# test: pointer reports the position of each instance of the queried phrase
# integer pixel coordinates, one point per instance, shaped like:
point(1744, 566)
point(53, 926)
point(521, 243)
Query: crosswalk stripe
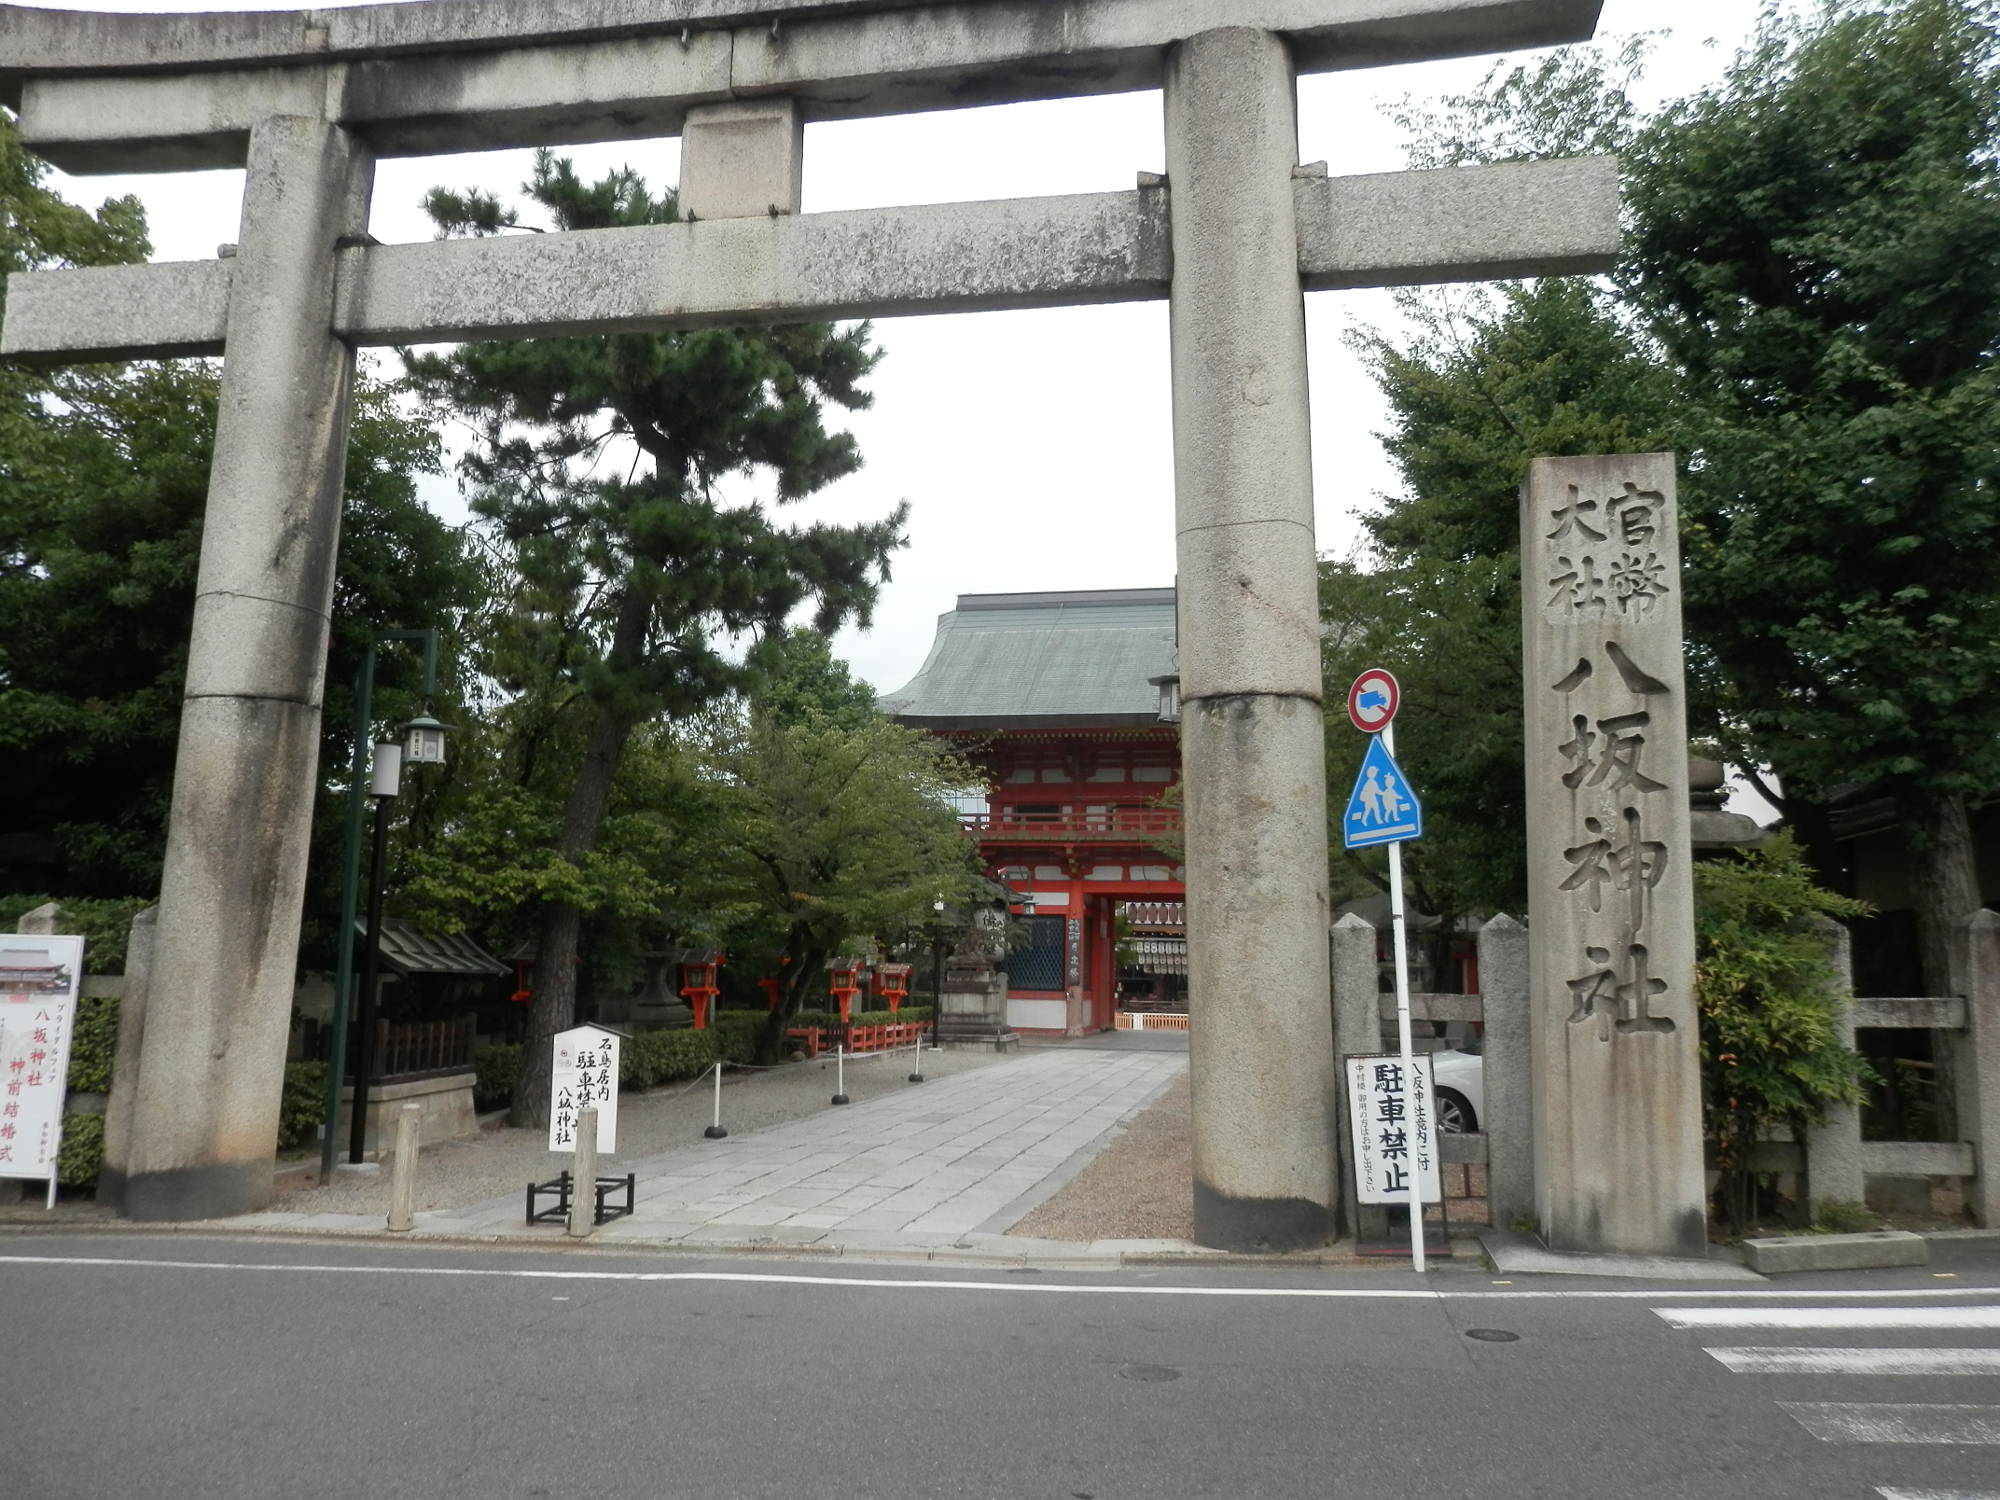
point(1887, 1422)
point(1830, 1317)
point(1789, 1360)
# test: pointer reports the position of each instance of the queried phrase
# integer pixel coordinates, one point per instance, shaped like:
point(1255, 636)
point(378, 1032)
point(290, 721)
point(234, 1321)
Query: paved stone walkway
point(949, 1163)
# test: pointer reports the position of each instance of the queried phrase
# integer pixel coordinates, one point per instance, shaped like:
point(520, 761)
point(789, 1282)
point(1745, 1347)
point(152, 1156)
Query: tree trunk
point(553, 1008)
point(1944, 878)
point(1944, 889)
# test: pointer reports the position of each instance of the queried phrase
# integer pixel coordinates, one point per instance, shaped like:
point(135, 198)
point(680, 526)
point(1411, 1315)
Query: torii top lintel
point(119, 92)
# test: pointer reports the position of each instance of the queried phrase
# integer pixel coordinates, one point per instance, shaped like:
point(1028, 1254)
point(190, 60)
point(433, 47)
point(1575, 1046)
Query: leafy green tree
point(1483, 384)
point(798, 675)
point(836, 837)
point(1811, 316)
point(103, 478)
point(1769, 1001)
point(598, 464)
point(1816, 249)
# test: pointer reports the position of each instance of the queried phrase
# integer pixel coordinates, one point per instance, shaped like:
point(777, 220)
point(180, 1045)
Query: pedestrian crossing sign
point(1383, 807)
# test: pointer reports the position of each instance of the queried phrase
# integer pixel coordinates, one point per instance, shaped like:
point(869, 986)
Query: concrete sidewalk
point(944, 1166)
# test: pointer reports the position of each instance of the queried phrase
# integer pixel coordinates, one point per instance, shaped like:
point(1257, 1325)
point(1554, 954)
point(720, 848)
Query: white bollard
point(583, 1179)
point(840, 1076)
point(716, 1132)
point(917, 1067)
point(403, 1184)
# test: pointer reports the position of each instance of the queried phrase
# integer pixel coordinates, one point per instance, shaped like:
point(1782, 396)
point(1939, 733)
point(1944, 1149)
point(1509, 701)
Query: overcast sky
point(1034, 447)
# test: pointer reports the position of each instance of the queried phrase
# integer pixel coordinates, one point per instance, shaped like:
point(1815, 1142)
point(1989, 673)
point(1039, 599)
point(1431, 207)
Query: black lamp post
point(385, 783)
point(423, 746)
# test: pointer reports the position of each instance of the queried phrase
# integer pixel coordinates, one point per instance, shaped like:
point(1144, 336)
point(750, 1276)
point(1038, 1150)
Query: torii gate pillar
point(234, 881)
point(1263, 1076)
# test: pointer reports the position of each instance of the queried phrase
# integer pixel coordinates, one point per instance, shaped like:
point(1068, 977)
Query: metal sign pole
point(1397, 932)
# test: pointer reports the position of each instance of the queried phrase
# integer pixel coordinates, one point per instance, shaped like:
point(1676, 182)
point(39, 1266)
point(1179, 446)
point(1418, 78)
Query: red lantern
point(892, 983)
point(698, 986)
point(845, 983)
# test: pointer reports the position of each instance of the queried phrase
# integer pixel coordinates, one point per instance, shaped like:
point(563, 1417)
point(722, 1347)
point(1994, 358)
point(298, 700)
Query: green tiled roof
point(1050, 659)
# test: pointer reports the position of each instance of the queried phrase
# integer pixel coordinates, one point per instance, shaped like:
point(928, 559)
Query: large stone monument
point(1617, 1086)
point(1235, 235)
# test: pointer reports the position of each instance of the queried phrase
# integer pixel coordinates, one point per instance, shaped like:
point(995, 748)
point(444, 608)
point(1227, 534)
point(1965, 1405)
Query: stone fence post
point(1833, 1147)
point(1357, 1027)
point(1975, 1056)
point(1509, 1115)
point(46, 919)
point(125, 1060)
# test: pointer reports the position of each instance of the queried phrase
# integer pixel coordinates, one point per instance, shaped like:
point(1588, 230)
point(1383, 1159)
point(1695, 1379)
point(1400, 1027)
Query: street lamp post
point(425, 746)
point(937, 971)
point(384, 784)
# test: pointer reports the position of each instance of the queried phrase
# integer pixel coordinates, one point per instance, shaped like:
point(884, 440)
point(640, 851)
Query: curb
point(1078, 1256)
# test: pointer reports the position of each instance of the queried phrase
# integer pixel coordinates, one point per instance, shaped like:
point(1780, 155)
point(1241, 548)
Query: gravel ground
point(1137, 1188)
point(458, 1174)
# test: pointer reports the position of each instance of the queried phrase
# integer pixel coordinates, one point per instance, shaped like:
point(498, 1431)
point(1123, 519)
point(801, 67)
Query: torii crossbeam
point(1239, 230)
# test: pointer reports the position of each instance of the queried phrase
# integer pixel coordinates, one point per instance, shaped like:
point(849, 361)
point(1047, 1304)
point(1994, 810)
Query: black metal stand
point(559, 1187)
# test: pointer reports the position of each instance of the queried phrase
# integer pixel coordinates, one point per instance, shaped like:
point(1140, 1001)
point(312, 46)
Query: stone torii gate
point(1234, 235)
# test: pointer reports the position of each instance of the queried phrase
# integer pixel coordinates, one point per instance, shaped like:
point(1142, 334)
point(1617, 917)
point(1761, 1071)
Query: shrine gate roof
point(1043, 660)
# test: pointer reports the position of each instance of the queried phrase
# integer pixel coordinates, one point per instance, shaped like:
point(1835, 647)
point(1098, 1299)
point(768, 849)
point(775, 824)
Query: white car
point(1460, 1091)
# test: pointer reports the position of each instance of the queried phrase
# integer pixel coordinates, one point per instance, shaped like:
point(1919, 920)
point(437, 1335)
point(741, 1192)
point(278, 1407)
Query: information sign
point(39, 981)
point(1395, 1132)
point(585, 1076)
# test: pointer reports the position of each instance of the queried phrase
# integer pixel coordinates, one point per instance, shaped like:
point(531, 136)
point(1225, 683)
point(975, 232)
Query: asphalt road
point(230, 1367)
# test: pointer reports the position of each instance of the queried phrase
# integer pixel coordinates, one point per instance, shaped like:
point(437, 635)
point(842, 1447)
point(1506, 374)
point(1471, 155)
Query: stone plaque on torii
point(1234, 236)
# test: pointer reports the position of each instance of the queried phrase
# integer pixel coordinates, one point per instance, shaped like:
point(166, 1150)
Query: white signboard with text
point(585, 1076)
point(1395, 1131)
point(39, 980)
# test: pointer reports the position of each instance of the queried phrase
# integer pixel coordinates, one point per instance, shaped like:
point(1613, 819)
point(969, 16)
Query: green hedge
point(81, 1152)
point(303, 1106)
point(92, 1046)
point(104, 922)
point(495, 1071)
point(828, 1020)
point(736, 1034)
point(656, 1057)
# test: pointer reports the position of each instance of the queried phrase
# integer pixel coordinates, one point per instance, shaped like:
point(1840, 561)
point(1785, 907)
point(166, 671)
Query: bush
point(1769, 1000)
point(303, 1107)
point(1843, 1216)
point(82, 1151)
point(92, 1045)
point(736, 1034)
point(656, 1057)
point(495, 1071)
point(104, 922)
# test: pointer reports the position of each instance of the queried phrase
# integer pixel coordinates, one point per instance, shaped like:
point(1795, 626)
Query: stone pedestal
point(1617, 1086)
point(1260, 1054)
point(972, 1011)
point(444, 1103)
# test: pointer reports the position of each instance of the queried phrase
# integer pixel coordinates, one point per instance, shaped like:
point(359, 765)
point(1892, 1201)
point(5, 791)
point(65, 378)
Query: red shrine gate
point(1059, 696)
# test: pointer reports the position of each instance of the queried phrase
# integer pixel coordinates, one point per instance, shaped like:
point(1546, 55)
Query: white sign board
point(1395, 1132)
point(39, 979)
point(585, 1076)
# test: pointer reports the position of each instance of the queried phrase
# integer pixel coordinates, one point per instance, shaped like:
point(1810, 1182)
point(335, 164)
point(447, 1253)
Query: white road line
point(1783, 1360)
point(1869, 1422)
point(1887, 1494)
point(1830, 1317)
point(1037, 1287)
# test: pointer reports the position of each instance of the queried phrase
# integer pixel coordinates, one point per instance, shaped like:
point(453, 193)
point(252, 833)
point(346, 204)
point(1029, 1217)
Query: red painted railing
point(820, 1039)
point(1118, 824)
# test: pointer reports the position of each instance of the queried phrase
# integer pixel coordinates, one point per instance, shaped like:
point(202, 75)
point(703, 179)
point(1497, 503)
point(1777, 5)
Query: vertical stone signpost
point(1617, 1099)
